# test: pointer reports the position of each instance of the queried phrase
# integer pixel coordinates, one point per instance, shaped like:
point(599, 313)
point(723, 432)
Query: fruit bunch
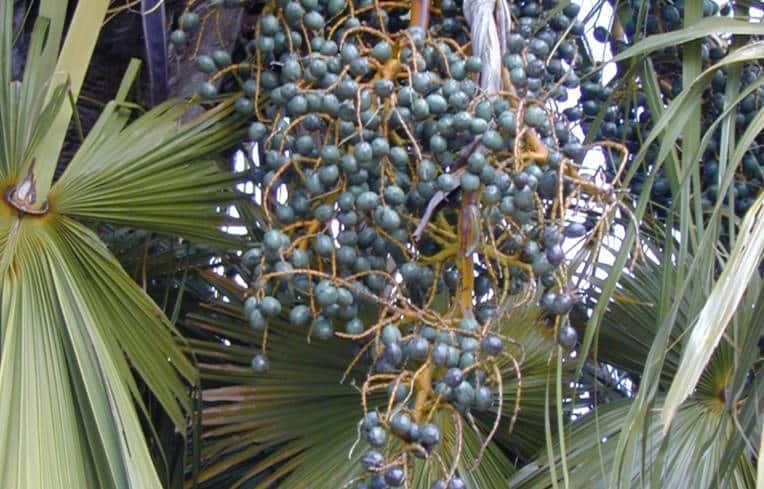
point(405, 207)
point(623, 116)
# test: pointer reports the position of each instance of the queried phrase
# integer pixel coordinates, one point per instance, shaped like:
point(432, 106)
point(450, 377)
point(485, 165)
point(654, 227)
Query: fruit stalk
point(423, 386)
point(420, 13)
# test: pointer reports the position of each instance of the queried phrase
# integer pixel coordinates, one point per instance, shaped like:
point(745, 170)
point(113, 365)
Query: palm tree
point(663, 389)
point(82, 343)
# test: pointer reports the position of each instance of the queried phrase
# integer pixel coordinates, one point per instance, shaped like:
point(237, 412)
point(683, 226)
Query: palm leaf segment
point(709, 442)
point(75, 329)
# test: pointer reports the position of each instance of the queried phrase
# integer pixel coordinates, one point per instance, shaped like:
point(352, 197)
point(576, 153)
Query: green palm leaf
point(82, 344)
point(160, 184)
point(65, 353)
point(696, 447)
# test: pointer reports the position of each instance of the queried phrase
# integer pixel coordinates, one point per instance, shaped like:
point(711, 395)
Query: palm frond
point(696, 444)
point(167, 183)
point(83, 346)
point(74, 330)
point(718, 310)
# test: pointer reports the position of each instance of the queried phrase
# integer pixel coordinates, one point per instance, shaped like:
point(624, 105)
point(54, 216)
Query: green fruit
point(256, 320)
point(467, 360)
point(333, 7)
point(483, 398)
point(382, 51)
point(300, 258)
point(535, 116)
point(269, 24)
point(430, 434)
point(293, 13)
point(363, 152)
point(367, 201)
point(508, 122)
point(249, 88)
point(324, 245)
point(436, 104)
point(518, 77)
point(470, 182)
point(207, 90)
point(426, 171)
point(389, 219)
point(400, 424)
point(418, 348)
point(491, 194)
point(376, 436)
point(394, 195)
point(257, 131)
point(324, 212)
point(473, 64)
point(270, 306)
point(380, 147)
point(398, 156)
point(250, 304)
point(484, 110)
point(204, 63)
point(326, 296)
point(468, 344)
point(567, 336)
point(420, 108)
point(266, 44)
point(322, 328)
point(344, 296)
point(291, 70)
point(298, 105)
point(523, 199)
point(354, 326)
point(314, 20)
point(178, 37)
point(329, 174)
point(390, 334)
point(464, 393)
point(189, 21)
point(493, 140)
point(221, 58)
point(476, 162)
point(285, 214)
point(273, 240)
point(300, 316)
point(244, 105)
point(260, 363)
point(478, 126)
point(446, 182)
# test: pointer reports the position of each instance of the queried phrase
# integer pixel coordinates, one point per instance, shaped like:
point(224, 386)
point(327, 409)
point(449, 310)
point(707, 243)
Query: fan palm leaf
point(700, 434)
point(79, 338)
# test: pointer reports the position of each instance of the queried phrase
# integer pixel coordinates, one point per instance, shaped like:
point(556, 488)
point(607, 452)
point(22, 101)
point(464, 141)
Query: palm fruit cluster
point(405, 209)
point(628, 120)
